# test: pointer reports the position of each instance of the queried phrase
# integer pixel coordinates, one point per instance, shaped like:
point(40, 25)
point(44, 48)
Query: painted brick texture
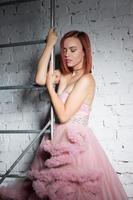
point(110, 27)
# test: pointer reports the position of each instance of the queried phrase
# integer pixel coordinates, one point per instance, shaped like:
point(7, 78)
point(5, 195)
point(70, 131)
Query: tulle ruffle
point(60, 180)
point(66, 185)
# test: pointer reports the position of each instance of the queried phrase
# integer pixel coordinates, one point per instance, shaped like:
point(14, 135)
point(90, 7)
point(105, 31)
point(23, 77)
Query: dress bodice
point(82, 115)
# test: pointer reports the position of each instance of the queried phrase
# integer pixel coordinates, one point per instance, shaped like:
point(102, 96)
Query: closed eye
point(73, 50)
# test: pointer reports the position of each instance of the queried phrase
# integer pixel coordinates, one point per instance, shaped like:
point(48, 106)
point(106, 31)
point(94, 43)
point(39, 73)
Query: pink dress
point(72, 166)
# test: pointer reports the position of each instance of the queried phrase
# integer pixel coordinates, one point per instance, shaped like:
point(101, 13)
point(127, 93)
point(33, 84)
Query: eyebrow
point(70, 47)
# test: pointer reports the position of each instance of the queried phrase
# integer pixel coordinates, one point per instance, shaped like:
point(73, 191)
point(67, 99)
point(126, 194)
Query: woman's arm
point(83, 88)
point(41, 73)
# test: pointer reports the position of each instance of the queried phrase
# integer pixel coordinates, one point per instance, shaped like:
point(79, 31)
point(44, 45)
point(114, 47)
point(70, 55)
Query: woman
point(72, 166)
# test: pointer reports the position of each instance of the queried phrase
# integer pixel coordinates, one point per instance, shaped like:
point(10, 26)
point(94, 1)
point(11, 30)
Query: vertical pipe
point(52, 61)
point(52, 14)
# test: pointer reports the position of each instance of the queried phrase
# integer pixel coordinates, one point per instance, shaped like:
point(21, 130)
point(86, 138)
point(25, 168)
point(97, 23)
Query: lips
point(68, 60)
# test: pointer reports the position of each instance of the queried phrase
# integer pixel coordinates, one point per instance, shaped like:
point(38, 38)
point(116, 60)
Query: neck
point(78, 72)
point(77, 69)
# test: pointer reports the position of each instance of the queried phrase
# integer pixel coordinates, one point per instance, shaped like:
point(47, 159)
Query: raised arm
point(41, 73)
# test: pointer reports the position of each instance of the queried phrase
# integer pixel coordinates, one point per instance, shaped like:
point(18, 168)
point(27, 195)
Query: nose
point(67, 53)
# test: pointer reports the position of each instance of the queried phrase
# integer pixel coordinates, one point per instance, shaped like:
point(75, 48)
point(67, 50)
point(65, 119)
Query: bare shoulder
point(87, 79)
point(88, 85)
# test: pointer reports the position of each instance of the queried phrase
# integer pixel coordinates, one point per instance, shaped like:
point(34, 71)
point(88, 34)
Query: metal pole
point(52, 61)
point(23, 153)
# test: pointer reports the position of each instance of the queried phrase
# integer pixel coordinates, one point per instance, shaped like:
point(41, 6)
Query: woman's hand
point(52, 37)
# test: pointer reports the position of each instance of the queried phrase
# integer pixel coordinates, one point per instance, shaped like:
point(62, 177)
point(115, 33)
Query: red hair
point(85, 41)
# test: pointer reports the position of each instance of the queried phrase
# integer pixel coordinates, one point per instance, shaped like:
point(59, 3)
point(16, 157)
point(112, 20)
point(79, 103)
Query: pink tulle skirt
point(72, 166)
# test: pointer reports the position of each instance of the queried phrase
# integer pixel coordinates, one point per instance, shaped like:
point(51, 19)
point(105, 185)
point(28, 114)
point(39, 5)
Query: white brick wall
point(110, 26)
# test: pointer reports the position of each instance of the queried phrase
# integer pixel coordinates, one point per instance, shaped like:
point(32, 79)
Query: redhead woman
point(73, 165)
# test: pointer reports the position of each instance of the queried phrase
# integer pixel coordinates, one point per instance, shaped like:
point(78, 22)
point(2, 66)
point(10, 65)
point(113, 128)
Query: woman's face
point(73, 52)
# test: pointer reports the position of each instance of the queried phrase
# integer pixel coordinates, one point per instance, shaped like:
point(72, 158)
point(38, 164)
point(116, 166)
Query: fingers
point(57, 73)
point(53, 30)
point(55, 77)
point(52, 36)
